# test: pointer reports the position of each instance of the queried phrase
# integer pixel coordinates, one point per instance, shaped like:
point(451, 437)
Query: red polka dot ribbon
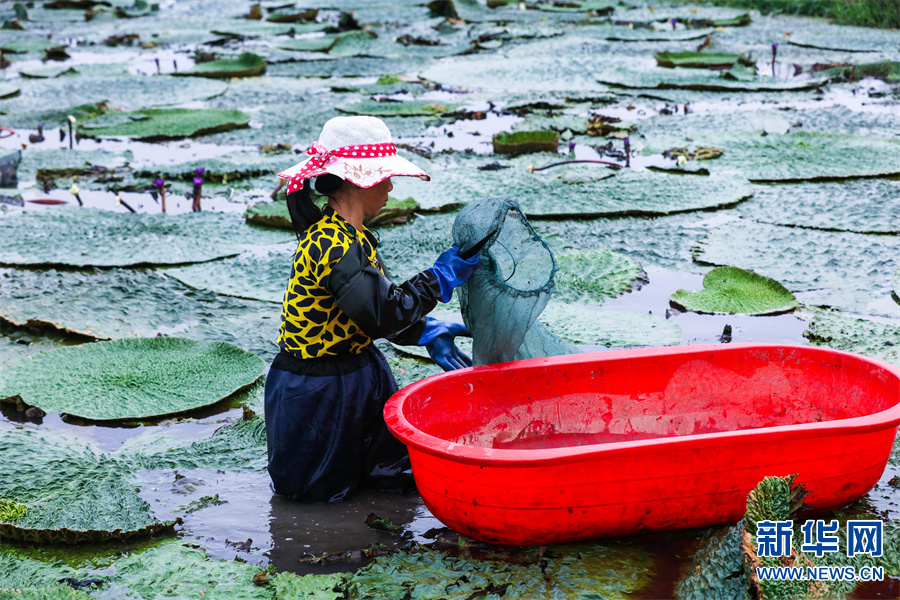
point(321, 157)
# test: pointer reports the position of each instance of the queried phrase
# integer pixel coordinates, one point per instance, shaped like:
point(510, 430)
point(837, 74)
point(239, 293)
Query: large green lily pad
point(584, 571)
point(170, 564)
point(693, 125)
point(799, 156)
point(622, 33)
point(732, 290)
point(256, 274)
point(23, 46)
point(102, 238)
point(611, 328)
point(700, 60)
point(246, 65)
point(131, 378)
point(156, 124)
point(64, 163)
point(73, 492)
point(9, 90)
point(845, 38)
point(49, 101)
point(871, 337)
point(574, 190)
point(856, 205)
point(250, 29)
point(276, 214)
point(663, 79)
point(147, 303)
point(594, 275)
point(410, 370)
point(849, 271)
point(409, 108)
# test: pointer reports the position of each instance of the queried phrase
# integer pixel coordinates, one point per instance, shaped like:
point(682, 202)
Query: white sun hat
point(356, 149)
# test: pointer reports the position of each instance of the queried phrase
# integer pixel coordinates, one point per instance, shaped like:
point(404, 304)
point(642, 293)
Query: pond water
point(507, 70)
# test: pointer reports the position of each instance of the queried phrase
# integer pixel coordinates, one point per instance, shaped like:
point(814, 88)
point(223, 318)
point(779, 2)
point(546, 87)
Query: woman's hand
point(438, 339)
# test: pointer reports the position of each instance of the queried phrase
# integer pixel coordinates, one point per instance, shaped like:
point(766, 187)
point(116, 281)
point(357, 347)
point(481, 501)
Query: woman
point(328, 385)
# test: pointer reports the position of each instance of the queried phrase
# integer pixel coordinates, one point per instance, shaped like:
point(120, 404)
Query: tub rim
point(416, 439)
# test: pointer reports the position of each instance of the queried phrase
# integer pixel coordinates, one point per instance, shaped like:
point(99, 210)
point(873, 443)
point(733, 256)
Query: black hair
point(301, 206)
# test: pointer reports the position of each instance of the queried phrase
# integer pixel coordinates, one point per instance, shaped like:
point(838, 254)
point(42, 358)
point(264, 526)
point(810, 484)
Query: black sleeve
point(377, 305)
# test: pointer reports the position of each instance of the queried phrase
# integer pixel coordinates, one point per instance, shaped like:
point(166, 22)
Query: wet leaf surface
point(849, 271)
point(132, 378)
point(594, 275)
point(736, 291)
point(102, 238)
point(165, 124)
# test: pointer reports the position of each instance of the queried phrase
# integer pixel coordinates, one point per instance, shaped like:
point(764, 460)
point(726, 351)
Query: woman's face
point(375, 197)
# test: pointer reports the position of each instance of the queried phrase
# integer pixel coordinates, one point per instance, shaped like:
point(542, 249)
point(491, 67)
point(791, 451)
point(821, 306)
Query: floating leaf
point(409, 370)
point(23, 46)
point(695, 80)
point(290, 586)
point(131, 378)
point(580, 571)
point(103, 238)
point(850, 271)
point(800, 156)
point(275, 214)
point(732, 290)
point(611, 328)
point(856, 205)
point(701, 60)
point(9, 90)
point(155, 124)
point(246, 65)
point(147, 303)
point(592, 193)
point(594, 275)
point(73, 492)
point(409, 108)
point(258, 275)
point(852, 333)
point(525, 142)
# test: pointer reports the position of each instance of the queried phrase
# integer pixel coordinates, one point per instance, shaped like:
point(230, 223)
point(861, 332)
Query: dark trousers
point(325, 428)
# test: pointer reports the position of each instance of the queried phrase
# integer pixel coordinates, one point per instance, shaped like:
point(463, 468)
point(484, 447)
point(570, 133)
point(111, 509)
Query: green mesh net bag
point(503, 298)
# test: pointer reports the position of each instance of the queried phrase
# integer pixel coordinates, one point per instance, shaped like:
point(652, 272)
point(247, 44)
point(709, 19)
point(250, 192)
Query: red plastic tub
point(575, 447)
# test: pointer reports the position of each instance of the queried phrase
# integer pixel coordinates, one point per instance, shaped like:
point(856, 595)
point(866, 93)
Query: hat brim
point(362, 172)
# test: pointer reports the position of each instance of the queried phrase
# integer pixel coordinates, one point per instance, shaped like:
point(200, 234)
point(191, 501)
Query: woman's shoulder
point(323, 238)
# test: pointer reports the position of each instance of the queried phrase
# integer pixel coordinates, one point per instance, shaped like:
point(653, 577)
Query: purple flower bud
point(159, 183)
point(198, 181)
point(626, 141)
point(673, 21)
point(774, 46)
point(571, 145)
point(199, 170)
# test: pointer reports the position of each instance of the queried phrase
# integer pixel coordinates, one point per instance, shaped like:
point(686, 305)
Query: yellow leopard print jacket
point(339, 297)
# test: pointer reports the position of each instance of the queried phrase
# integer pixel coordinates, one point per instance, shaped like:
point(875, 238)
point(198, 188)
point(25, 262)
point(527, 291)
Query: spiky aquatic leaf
point(610, 328)
point(409, 108)
point(147, 304)
point(584, 571)
point(858, 206)
point(693, 80)
point(410, 370)
point(49, 101)
point(73, 492)
point(799, 156)
point(246, 65)
point(871, 337)
point(130, 378)
point(23, 46)
point(290, 586)
point(540, 194)
point(95, 237)
point(850, 271)
point(699, 60)
point(594, 275)
point(166, 123)
point(8, 90)
point(257, 274)
point(732, 290)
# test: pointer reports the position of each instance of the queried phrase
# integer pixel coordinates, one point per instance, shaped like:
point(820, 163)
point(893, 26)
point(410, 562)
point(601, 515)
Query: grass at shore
point(884, 14)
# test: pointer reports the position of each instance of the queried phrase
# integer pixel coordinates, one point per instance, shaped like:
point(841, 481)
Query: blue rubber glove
point(438, 340)
point(452, 271)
